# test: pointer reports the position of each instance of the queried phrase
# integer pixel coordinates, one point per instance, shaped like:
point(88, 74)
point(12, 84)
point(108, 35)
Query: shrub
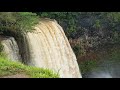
point(17, 21)
point(88, 65)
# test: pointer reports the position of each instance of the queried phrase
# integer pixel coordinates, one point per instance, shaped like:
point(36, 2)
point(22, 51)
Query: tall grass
point(8, 67)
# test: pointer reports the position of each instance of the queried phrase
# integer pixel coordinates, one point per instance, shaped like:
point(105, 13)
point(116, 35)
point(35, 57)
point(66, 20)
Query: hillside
point(10, 69)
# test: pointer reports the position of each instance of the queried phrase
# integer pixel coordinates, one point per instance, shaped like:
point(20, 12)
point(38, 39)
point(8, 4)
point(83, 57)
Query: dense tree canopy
point(76, 24)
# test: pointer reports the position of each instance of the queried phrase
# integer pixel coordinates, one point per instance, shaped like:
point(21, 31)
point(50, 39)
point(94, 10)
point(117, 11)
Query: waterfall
point(46, 47)
point(11, 48)
point(49, 48)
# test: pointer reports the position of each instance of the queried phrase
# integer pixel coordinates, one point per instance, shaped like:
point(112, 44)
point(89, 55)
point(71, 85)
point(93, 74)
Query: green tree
point(17, 21)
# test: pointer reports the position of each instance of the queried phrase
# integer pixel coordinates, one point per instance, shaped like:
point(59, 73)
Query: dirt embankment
point(16, 76)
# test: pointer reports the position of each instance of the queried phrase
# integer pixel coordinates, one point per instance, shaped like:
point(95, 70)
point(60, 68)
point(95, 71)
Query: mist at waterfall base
point(107, 69)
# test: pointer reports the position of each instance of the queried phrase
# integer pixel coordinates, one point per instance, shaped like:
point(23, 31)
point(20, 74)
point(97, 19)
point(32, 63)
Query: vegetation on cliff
point(108, 62)
point(8, 68)
point(77, 24)
point(17, 21)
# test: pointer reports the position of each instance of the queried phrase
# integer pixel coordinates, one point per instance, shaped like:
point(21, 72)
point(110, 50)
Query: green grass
point(8, 67)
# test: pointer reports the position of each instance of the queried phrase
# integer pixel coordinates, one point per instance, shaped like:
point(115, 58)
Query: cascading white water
point(11, 48)
point(46, 47)
point(49, 48)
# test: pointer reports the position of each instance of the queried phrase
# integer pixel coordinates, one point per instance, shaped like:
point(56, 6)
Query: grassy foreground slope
point(8, 67)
